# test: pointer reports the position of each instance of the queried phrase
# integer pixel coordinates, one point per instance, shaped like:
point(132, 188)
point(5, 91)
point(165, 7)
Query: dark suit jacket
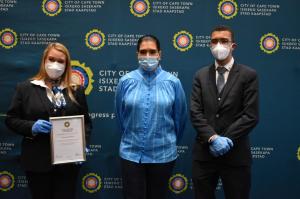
point(30, 103)
point(233, 113)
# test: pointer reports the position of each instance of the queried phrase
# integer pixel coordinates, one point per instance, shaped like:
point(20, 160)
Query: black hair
point(224, 28)
point(148, 38)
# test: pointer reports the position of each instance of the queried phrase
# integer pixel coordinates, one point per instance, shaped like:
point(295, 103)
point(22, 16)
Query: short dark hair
point(224, 28)
point(148, 38)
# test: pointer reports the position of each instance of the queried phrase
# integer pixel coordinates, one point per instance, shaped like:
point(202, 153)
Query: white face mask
point(220, 52)
point(54, 69)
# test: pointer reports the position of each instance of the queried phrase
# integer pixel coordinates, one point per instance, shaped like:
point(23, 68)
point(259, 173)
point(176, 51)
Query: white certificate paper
point(68, 139)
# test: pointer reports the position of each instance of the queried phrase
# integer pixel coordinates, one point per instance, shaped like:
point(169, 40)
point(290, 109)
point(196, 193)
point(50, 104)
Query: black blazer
point(233, 113)
point(30, 103)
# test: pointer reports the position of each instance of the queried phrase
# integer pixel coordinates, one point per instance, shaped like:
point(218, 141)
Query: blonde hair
point(66, 79)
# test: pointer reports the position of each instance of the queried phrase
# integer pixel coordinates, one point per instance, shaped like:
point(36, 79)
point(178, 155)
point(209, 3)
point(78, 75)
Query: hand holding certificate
point(68, 139)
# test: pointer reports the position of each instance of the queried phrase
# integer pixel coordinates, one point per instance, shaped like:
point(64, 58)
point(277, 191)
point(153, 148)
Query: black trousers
point(145, 181)
point(58, 183)
point(236, 180)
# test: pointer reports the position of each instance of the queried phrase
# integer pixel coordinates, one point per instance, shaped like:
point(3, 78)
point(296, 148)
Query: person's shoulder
point(247, 69)
point(170, 79)
point(130, 78)
point(131, 75)
point(168, 76)
point(25, 84)
point(24, 87)
point(203, 70)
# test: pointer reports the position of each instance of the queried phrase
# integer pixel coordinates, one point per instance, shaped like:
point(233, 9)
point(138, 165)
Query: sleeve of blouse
point(119, 105)
point(180, 110)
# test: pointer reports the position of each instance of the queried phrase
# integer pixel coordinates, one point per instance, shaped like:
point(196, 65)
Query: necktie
point(55, 89)
point(58, 98)
point(221, 79)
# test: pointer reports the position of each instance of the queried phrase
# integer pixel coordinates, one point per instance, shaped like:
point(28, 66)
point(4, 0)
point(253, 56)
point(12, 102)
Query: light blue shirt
point(152, 112)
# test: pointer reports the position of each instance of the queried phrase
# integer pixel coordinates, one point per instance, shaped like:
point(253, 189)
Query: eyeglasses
point(150, 52)
point(221, 41)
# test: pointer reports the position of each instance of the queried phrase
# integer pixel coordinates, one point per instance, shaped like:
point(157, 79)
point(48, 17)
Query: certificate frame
point(67, 140)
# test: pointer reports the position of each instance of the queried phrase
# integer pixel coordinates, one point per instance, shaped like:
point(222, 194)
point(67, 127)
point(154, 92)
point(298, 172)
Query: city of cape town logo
point(95, 39)
point(7, 181)
point(9, 38)
point(183, 41)
point(67, 124)
point(51, 7)
point(178, 183)
point(269, 43)
point(139, 8)
point(91, 183)
point(227, 9)
point(298, 153)
point(82, 75)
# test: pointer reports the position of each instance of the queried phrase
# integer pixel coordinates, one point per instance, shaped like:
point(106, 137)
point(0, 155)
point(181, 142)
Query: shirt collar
point(42, 83)
point(149, 75)
point(228, 66)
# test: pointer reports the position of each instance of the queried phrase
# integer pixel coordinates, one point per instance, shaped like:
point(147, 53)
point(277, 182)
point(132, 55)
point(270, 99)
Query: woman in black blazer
point(49, 93)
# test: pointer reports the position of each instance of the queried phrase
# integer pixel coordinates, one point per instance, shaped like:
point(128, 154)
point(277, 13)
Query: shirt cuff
point(212, 138)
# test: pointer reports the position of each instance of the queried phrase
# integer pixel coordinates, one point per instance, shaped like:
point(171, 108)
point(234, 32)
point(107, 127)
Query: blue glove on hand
point(41, 126)
point(220, 145)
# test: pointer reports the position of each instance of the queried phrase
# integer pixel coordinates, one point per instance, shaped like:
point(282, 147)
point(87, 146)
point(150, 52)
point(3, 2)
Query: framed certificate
point(67, 139)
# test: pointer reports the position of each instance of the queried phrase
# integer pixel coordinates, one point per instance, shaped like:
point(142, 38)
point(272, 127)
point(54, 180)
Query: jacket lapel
point(41, 93)
point(233, 75)
point(212, 82)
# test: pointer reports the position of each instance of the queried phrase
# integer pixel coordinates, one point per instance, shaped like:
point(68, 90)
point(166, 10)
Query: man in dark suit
point(224, 109)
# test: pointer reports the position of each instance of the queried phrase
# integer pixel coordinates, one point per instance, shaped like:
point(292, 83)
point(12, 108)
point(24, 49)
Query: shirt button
point(217, 116)
point(219, 99)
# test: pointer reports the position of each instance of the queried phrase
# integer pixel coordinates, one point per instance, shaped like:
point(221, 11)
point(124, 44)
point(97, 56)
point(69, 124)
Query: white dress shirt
point(228, 66)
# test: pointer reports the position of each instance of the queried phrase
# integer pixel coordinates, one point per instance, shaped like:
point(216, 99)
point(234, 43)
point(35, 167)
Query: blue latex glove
point(41, 126)
point(220, 145)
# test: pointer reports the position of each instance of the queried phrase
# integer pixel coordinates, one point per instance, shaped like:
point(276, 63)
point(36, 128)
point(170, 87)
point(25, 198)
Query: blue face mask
point(148, 63)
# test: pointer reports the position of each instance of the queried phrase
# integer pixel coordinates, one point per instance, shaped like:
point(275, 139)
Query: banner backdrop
point(102, 36)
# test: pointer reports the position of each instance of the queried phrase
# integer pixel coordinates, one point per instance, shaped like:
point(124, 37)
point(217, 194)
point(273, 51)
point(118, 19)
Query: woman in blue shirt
point(151, 110)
